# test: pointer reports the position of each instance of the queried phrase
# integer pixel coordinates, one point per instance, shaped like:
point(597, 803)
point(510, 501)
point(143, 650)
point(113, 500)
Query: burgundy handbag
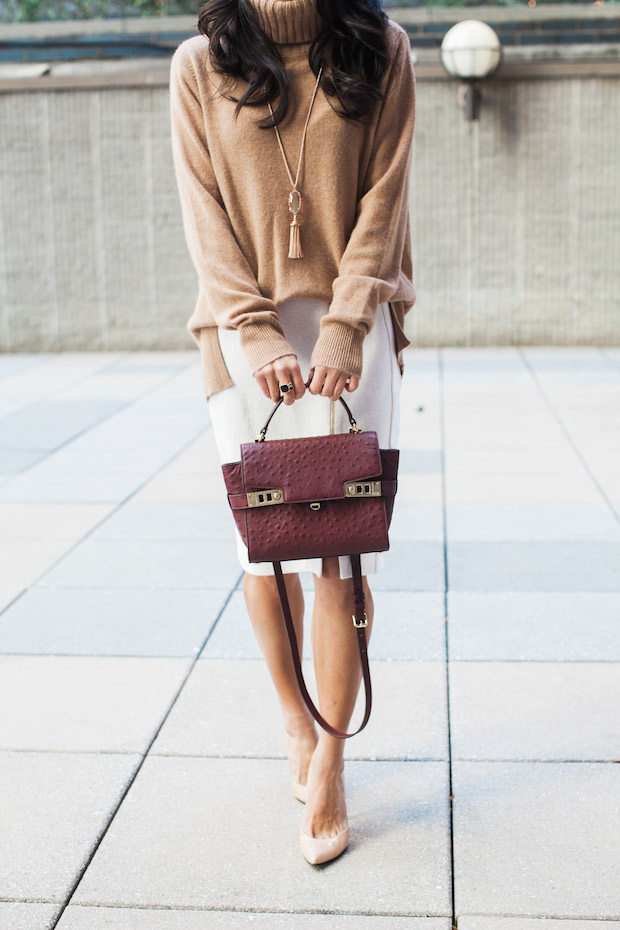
point(311, 498)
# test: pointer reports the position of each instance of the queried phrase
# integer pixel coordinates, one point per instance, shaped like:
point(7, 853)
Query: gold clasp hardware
point(363, 489)
point(356, 429)
point(316, 506)
point(360, 624)
point(261, 436)
point(265, 498)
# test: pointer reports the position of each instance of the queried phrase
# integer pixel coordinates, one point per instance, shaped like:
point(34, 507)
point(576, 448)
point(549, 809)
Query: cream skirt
point(239, 412)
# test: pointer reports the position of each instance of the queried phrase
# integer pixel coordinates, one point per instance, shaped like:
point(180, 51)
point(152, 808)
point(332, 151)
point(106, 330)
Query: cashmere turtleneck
point(288, 22)
point(234, 189)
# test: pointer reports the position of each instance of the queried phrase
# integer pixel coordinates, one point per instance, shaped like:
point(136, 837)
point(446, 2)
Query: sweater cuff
point(263, 343)
point(338, 346)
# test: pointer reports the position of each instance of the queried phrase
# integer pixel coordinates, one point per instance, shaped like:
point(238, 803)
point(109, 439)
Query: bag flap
point(316, 468)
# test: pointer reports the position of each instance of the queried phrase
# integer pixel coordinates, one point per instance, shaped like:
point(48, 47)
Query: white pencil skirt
point(239, 412)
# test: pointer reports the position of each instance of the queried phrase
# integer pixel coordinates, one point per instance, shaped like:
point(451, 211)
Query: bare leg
point(338, 675)
point(263, 605)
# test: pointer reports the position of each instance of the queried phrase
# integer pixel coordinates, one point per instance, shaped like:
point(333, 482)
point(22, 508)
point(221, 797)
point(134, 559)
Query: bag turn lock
point(265, 498)
point(315, 506)
point(362, 489)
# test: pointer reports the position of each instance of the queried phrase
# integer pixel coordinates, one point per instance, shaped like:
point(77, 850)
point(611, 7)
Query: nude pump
point(319, 849)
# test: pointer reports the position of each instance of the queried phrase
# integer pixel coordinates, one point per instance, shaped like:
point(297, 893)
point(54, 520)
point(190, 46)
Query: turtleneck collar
point(288, 22)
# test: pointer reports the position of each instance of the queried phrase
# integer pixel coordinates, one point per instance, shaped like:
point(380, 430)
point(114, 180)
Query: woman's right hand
point(283, 370)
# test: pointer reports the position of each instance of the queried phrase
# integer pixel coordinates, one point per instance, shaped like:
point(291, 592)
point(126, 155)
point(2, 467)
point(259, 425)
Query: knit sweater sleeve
point(370, 267)
point(226, 278)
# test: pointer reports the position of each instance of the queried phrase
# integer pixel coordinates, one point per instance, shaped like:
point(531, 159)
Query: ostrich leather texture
point(313, 471)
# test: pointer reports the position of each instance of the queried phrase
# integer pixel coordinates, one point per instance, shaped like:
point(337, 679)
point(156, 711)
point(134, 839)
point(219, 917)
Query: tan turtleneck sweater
point(234, 188)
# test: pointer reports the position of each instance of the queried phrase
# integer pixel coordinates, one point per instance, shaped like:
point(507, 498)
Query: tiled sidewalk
point(143, 781)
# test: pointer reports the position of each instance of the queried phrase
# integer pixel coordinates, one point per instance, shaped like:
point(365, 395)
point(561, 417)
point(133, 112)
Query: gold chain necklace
point(294, 198)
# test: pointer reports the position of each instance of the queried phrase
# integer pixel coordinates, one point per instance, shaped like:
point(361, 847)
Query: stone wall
point(515, 216)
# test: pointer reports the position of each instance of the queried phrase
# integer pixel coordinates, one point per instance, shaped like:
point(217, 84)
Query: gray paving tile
point(85, 704)
point(495, 458)
point(49, 521)
point(555, 376)
point(79, 917)
point(537, 838)
point(531, 522)
point(420, 460)
point(53, 808)
point(417, 522)
point(73, 461)
point(534, 625)
point(11, 364)
point(13, 461)
point(133, 368)
point(226, 827)
point(229, 708)
point(535, 710)
point(497, 359)
point(534, 566)
point(412, 566)
point(486, 375)
point(546, 487)
point(544, 441)
point(50, 423)
point(138, 520)
point(203, 564)
point(125, 439)
point(233, 636)
point(421, 361)
point(475, 922)
point(408, 625)
point(582, 358)
point(71, 488)
point(109, 621)
point(24, 561)
point(27, 916)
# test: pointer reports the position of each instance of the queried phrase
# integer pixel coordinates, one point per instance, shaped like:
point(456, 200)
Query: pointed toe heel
point(300, 792)
point(319, 849)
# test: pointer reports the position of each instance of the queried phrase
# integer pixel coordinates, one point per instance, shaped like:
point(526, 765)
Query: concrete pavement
point(144, 784)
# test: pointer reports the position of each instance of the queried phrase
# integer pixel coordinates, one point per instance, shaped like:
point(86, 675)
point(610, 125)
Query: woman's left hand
point(331, 382)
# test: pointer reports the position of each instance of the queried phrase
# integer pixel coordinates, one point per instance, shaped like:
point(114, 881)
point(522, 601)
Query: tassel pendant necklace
point(294, 198)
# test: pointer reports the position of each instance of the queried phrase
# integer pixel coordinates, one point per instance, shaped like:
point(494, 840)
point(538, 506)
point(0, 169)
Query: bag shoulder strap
point(360, 623)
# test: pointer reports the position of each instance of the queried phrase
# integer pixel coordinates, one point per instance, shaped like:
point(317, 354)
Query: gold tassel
point(294, 242)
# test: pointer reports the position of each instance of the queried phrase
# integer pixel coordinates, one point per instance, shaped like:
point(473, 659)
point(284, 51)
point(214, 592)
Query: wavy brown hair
point(352, 48)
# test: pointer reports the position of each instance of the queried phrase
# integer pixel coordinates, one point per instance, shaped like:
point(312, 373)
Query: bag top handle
point(354, 428)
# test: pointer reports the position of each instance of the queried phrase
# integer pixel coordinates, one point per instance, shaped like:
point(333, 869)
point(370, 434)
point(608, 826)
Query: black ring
point(285, 388)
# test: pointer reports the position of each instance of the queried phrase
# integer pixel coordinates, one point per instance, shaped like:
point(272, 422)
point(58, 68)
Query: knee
point(334, 589)
point(264, 586)
point(257, 585)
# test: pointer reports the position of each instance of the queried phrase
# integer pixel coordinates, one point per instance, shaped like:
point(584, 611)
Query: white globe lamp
point(471, 51)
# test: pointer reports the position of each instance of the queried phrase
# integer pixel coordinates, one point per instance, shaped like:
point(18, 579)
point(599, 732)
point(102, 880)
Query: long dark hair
point(352, 48)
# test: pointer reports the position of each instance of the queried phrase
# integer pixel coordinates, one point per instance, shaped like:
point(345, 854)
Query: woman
point(302, 108)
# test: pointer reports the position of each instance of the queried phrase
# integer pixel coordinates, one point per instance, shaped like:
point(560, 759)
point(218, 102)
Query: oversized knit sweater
point(234, 188)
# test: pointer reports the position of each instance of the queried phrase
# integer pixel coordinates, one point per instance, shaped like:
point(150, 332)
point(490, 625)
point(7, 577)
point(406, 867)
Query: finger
point(261, 380)
point(283, 373)
point(329, 384)
point(274, 384)
point(289, 397)
point(318, 378)
point(354, 383)
point(298, 381)
point(339, 387)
